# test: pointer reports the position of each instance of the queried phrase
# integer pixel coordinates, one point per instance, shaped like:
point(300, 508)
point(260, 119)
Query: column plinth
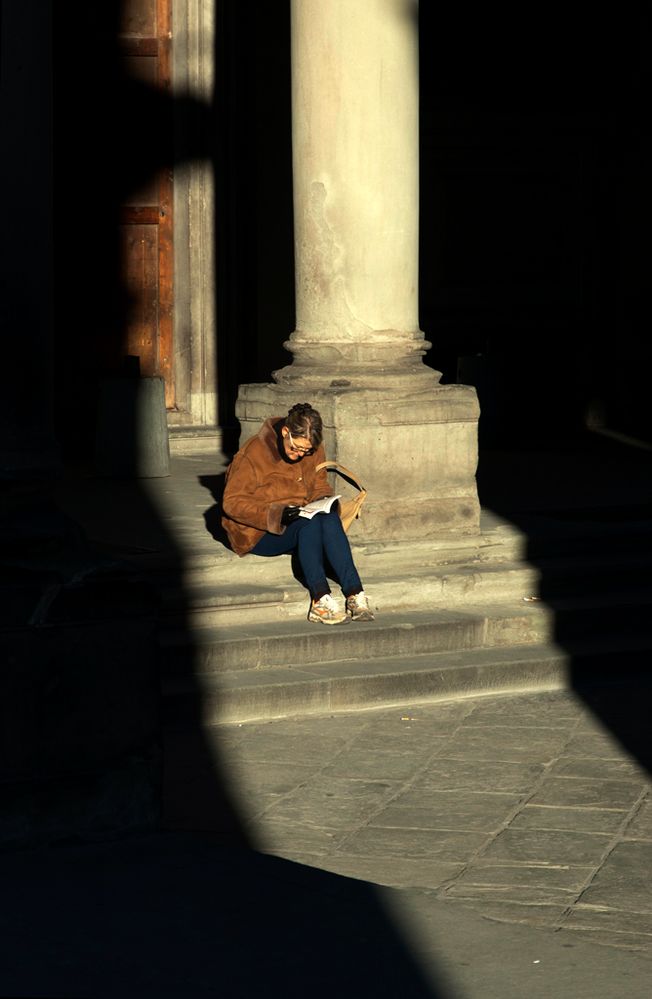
point(389, 359)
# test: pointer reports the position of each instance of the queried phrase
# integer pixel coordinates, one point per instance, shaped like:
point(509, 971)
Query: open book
point(317, 506)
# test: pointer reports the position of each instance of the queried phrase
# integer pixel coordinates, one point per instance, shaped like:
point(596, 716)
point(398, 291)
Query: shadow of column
point(533, 253)
point(584, 505)
point(133, 873)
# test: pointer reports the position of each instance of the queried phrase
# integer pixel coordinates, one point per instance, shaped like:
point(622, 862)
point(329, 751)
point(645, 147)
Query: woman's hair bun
point(304, 421)
point(300, 409)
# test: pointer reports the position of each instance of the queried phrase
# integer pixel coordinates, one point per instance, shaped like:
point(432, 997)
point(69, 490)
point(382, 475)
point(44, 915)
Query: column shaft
point(356, 190)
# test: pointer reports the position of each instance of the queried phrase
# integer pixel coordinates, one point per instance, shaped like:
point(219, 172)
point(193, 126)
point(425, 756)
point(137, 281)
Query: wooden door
point(146, 215)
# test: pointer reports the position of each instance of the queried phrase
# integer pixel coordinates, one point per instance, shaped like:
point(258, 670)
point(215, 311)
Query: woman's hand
point(290, 514)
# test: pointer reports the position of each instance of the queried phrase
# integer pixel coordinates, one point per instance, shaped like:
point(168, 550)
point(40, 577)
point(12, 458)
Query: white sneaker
point(326, 611)
point(357, 606)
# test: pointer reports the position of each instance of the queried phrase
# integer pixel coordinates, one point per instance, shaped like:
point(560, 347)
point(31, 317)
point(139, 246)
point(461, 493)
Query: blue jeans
point(315, 542)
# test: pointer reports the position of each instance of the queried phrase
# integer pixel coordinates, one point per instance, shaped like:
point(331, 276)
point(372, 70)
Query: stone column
point(357, 349)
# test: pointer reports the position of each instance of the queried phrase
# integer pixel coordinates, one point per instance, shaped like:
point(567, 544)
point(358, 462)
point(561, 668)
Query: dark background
point(535, 206)
point(535, 210)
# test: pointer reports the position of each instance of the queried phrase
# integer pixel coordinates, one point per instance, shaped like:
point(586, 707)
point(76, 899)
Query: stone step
point(562, 535)
point(292, 643)
point(272, 594)
point(529, 539)
point(298, 642)
point(195, 565)
point(223, 604)
point(371, 682)
point(190, 440)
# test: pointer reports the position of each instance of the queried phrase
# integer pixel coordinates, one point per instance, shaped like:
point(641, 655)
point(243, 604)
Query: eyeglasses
point(299, 450)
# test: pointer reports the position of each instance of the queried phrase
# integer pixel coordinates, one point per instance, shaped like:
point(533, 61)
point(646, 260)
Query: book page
point(318, 506)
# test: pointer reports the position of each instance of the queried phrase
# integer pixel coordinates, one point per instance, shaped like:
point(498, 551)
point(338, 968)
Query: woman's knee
point(311, 531)
point(332, 523)
point(332, 517)
point(314, 525)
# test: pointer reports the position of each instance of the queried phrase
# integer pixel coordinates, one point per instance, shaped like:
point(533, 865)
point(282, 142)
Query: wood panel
point(146, 215)
point(140, 254)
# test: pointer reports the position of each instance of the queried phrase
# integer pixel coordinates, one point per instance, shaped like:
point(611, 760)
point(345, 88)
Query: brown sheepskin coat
point(259, 484)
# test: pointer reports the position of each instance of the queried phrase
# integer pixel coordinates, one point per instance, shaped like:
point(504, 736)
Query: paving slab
point(418, 809)
point(489, 742)
point(390, 842)
point(536, 845)
point(619, 882)
point(383, 763)
point(460, 775)
point(272, 777)
point(575, 791)
point(640, 826)
point(284, 838)
point(546, 711)
point(600, 747)
point(486, 874)
point(604, 919)
point(617, 941)
point(333, 801)
point(479, 800)
point(601, 820)
point(595, 768)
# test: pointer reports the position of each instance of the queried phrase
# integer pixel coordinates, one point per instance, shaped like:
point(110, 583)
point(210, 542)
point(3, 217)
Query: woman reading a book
point(269, 484)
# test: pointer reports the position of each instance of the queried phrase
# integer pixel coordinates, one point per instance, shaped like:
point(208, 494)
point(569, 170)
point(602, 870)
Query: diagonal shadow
point(584, 505)
point(532, 253)
point(133, 872)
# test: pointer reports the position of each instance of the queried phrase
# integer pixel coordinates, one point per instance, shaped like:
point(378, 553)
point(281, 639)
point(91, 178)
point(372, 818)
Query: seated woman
point(270, 478)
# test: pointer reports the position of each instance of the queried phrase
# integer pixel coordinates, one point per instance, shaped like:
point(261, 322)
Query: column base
point(415, 452)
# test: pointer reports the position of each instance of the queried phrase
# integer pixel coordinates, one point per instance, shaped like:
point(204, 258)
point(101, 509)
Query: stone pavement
point(524, 807)
point(490, 848)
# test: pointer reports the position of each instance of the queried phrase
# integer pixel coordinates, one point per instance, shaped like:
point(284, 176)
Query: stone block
point(478, 775)
point(550, 878)
point(132, 432)
point(543, 846)
point(525, 744)
point(641, 825)
point(414, 451)
point(601, 820)
point(598, 769)
point(620, 882)
point(447, 810)
point(333, 802)
point(432, 844)
point(575, 792)
point(386, 764)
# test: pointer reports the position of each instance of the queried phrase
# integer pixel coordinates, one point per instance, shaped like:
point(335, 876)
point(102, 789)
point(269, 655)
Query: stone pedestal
point(416, 454)
point(132, 433)
point(357, 348)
